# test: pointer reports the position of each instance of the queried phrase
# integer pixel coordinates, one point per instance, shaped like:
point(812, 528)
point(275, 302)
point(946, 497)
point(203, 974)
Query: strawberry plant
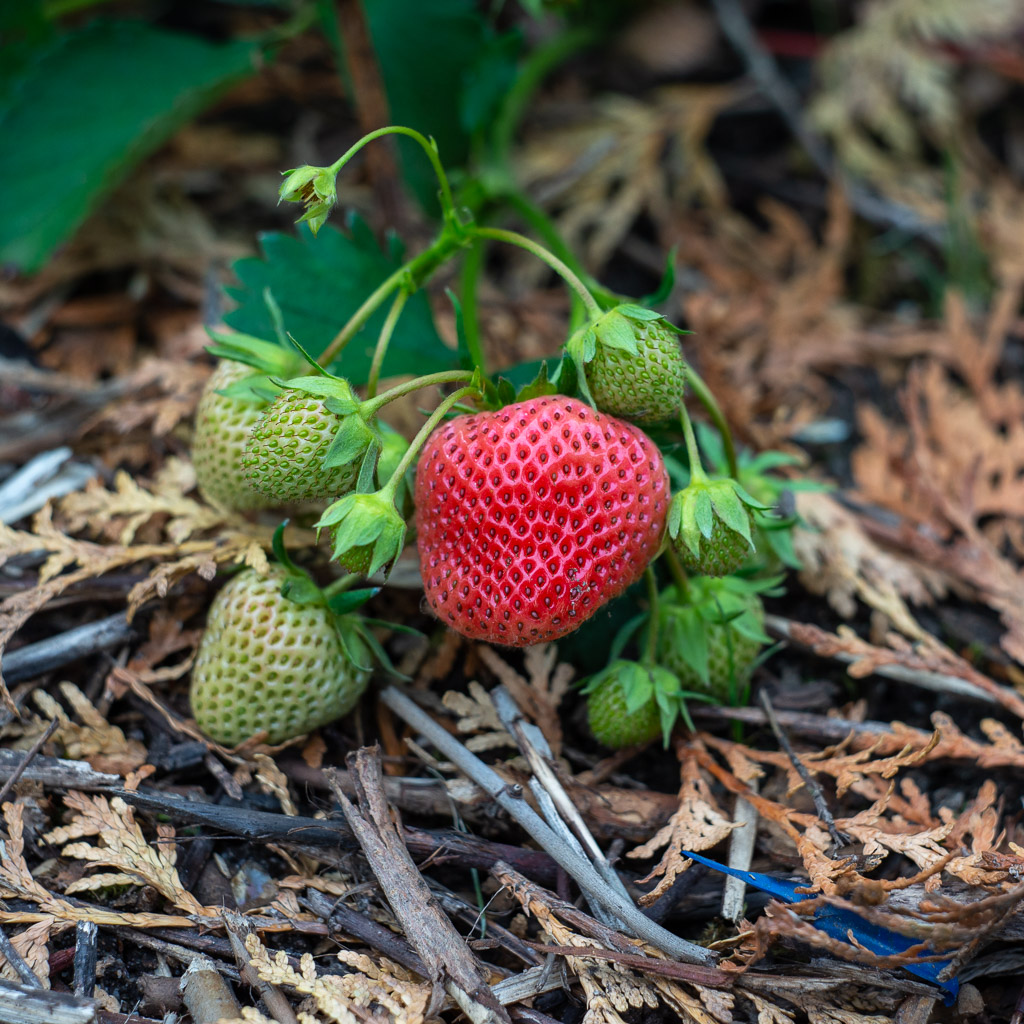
point(532, 509)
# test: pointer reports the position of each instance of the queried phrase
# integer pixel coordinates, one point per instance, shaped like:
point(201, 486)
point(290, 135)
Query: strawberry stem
point(714, 410)
point(559, 266)
point(675, 567)
point(693, 452)
point(472, 264)
point(428, 146)
point(384, 339)
point(372, 405)
point(652, 601)
point(388, 490)
point(411, 275)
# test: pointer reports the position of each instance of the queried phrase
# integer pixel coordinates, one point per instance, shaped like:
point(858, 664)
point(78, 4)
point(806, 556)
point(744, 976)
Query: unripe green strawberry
point(632, 702)
point(710, 639)
point(287, 446)
point(630, 364)
point(268, 663)
point(720, 554)
point(645, 387)
point(218, 443)
point(710, 523)
point(610, 722)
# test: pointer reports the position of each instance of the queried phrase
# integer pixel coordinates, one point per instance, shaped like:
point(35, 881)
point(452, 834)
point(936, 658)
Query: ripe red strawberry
point(268, 663)
point(287, 446)
point(531, 518)
point(221, 431)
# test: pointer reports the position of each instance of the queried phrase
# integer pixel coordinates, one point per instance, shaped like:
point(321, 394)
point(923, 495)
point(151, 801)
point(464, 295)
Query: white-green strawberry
point(267, 663)
point(222, 427)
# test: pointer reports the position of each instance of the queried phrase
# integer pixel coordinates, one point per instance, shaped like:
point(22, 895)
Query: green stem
point(472, 264)
point(692, 451)
point(652, 601)
point(541, 223)
point(429, 147)
point(714, 410)
point(384, 340)
point(675, 567)
point(388, 490)
point(340, 585)
point(529, 77)
point(559, 266)
point(412, 274)
point(372, 405)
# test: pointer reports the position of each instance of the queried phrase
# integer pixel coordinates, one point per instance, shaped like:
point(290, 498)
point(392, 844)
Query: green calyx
point(709, 513)
point(650, 696)
point(267, 360)
point(316, 188)
point(367, 530)
point(711, 633)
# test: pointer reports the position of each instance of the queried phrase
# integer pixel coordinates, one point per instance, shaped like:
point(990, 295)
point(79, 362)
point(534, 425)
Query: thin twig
point(56, 651)
point(27, 759)
point(817, 795)
point(17, 961)
point(580, 869)
point(741, 852)
point(85, 959)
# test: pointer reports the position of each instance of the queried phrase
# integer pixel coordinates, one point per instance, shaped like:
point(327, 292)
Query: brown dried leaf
point(698, 824)
point(477, 714)
point(31, 944)
point(121, 845)
point(92, 738)
point(372, 990)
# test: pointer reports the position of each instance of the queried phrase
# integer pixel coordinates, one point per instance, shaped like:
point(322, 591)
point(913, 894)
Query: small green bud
point(316, 188)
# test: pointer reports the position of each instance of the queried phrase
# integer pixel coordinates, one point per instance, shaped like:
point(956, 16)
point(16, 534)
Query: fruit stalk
point(384, 339)
point(557, 265)
point(411, 274)
point(714, 410)
point(373, 405)
point(447, 203)
point(692, 451)
point(420, 439)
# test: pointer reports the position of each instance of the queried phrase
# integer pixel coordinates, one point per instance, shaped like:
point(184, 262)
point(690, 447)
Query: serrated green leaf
point(689, 639)
point(88, 107)
point(426, 52)
point(488, 80)
point(666, 284)
point(319, 283)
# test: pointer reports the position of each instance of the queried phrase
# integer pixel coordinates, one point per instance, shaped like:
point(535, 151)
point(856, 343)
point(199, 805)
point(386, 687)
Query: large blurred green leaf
point(318, 283)
point(83, 110)
point(426, 51)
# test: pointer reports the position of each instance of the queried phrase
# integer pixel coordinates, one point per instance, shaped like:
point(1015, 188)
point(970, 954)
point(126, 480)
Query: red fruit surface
point(531, 518)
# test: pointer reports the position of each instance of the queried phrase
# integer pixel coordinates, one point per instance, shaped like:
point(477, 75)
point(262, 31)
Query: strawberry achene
point(531, 518)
